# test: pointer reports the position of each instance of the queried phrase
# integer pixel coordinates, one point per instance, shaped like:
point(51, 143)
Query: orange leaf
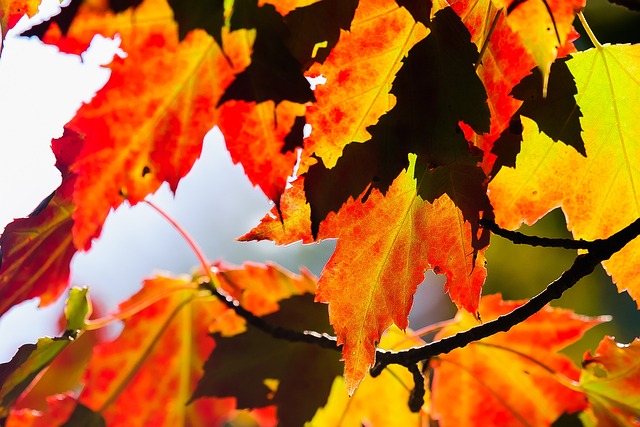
point(512, 378)
point(291, 224)
point(359, 73)
point(147, 125)
point(267, 161)
point(610, 379)
point(369, 289)
point(286, 6)
point(543, 27)
point(12, 10)
point(158, 358)
point(392, 387)
point(60, 408)
point(162, 349)
point(506, 59)
point(259, 287)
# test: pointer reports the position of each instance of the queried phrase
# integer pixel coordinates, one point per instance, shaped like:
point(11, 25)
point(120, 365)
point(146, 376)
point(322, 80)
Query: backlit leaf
point(512, 378)
point(241, 366)
point(59, 409)
point(598, 192)
point(12, 10)
point(610, 379)
point(543, 27)
point(385, 245)
point(359, 72)
point(392, 387)
point(162, 349)
point(37, 250)
point(146, 125)
point(435, 91)
point(31, 359)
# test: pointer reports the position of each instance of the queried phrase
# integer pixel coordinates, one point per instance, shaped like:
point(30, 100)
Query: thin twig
point(485, 43)
point(547, 242)
point(310, 337)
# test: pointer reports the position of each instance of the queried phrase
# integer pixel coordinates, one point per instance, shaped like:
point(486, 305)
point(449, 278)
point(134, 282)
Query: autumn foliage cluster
point(438, 125)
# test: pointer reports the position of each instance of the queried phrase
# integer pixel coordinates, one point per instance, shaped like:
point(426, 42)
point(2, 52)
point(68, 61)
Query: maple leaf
point(598, 192)
point(12, 10)
point(543, 27)
point(371, 278)
point(31, 359)
point(359, 71)
point(62, 410)
point(471, 385)
point(504, 62)
point(610, 380)
point(559, 102)
point(140, 132)
point(37, 250)
point(242, 365)
point(424, 121)
point(160, 352)
point(163, 347)
point(392, 387)
point(268, 164)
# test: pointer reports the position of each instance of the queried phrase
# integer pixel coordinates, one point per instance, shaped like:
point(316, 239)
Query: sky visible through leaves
point(407, 160)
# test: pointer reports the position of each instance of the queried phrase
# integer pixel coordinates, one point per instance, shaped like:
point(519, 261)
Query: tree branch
point(547, 242)
point(310, 337)
point(583, 265)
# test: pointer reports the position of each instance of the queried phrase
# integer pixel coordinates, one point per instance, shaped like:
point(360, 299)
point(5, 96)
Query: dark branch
point(583, 265)
point(416, 398)
point(310, 337)
point(547, 242)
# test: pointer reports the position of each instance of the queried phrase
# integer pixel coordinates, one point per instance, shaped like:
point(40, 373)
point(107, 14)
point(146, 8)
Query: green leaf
point(26, 364)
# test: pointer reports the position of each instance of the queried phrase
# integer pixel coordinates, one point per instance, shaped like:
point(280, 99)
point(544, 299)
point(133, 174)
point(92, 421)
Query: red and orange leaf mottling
point(147, 124)
point(610, 378)
point(506, 59)
point(12, 10)
point(157, 360)
point(385, 245)
point(293, 226)
point(160, 354)
point(259, 287)
point(264, 128)
point(359, 73)
point(513, 378)
point(60, 408)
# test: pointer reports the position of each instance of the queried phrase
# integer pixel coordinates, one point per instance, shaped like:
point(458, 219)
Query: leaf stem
point(102, 322)
point(485, 43)
point(206, 266)
point(589, 32)
point(434, 327)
